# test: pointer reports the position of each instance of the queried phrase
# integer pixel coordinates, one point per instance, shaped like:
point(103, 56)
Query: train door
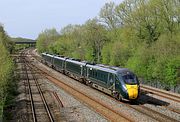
point(118, 87)
point(82, 69)
point(52, 60)
point(111, 82)
point(87, 72)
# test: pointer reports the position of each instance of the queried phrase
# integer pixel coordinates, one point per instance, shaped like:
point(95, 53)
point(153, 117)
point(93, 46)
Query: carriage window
point(96, 74)
point(90, 72)
point(111, 79)
point(117, 80)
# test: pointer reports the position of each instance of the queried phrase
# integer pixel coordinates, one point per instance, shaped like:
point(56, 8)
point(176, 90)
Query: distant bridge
point(25, 42)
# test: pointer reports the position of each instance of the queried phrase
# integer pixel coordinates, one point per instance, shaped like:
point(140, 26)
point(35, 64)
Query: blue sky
point(27, 18)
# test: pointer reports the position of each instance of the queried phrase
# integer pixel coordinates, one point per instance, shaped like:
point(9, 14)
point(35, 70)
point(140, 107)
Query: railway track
point(140, 108)
point(99, 106)
point(31, 96)
point(137, 106)
point(152, 113)
point(164, 94)
point(36, 108)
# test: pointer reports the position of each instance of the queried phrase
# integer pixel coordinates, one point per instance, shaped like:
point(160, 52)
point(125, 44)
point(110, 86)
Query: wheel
point(89, 83)
point(117, 96)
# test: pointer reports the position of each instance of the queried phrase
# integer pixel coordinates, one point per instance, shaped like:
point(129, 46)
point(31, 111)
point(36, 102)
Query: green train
point(120, 83)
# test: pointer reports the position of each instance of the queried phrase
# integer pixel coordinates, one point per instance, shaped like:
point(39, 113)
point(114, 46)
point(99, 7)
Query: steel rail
point(54, 93)
point(30, 94)
point(58, 99)
point(39, 90)
point(42, 96)
point(85, 96)
point(161, 94)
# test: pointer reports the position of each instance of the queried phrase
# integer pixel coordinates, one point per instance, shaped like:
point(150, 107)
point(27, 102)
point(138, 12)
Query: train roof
point(61, 58)
point(76, 62)
point(43, 53)
point(106, 68)
point(110, 69)
point(46, 54)
point(55, 56)
point(49, 55)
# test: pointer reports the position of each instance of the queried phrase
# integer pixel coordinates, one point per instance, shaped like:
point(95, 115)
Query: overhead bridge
point(25, 42)
point(29, 43)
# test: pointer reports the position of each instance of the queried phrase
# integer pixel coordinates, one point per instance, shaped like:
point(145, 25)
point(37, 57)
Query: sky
point(28, 18)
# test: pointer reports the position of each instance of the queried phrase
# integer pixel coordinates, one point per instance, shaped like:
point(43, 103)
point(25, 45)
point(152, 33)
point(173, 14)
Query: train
point(120, 83)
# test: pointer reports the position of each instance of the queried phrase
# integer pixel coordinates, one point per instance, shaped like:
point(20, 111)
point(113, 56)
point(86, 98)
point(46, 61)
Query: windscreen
point(128, 78)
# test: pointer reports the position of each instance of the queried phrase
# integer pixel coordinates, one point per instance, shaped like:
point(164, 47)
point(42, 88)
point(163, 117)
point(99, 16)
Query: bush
point(6, 70)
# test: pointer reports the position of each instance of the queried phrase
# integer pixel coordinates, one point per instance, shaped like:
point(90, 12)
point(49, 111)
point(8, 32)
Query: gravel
point(163, 109)
point(73, 110)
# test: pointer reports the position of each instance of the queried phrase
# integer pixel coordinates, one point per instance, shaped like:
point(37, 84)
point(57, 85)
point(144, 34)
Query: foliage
point(18, 47)
point(142, 35)
point(46, 39)
point(5, 40)
point(6, 68)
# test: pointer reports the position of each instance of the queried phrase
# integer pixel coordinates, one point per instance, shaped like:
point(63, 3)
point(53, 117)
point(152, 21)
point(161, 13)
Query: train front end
point(132, 91)
point(129, 85)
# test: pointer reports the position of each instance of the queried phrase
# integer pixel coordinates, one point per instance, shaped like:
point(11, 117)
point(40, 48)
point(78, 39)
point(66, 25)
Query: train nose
point(132, 91)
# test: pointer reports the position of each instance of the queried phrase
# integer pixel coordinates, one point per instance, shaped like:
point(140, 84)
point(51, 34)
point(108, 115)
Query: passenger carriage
point(59, 63)
point(117, 82)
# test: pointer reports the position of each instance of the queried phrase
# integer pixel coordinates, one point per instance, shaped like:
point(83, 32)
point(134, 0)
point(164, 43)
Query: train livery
point(118, 82)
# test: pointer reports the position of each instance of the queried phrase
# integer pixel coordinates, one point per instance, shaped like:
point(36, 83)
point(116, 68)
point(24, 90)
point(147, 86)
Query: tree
point(169, 13)
point(142, 35)
point(5, 39)
point(46, 39)
point(6, 68)
point(96, 38)
point(108, 17)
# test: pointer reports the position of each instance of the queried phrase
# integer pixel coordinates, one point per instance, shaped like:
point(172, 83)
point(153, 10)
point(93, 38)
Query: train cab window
point(130, 79)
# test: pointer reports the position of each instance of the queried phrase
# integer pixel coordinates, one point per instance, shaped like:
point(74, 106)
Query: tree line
point(142, 35)
point(6, 68)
